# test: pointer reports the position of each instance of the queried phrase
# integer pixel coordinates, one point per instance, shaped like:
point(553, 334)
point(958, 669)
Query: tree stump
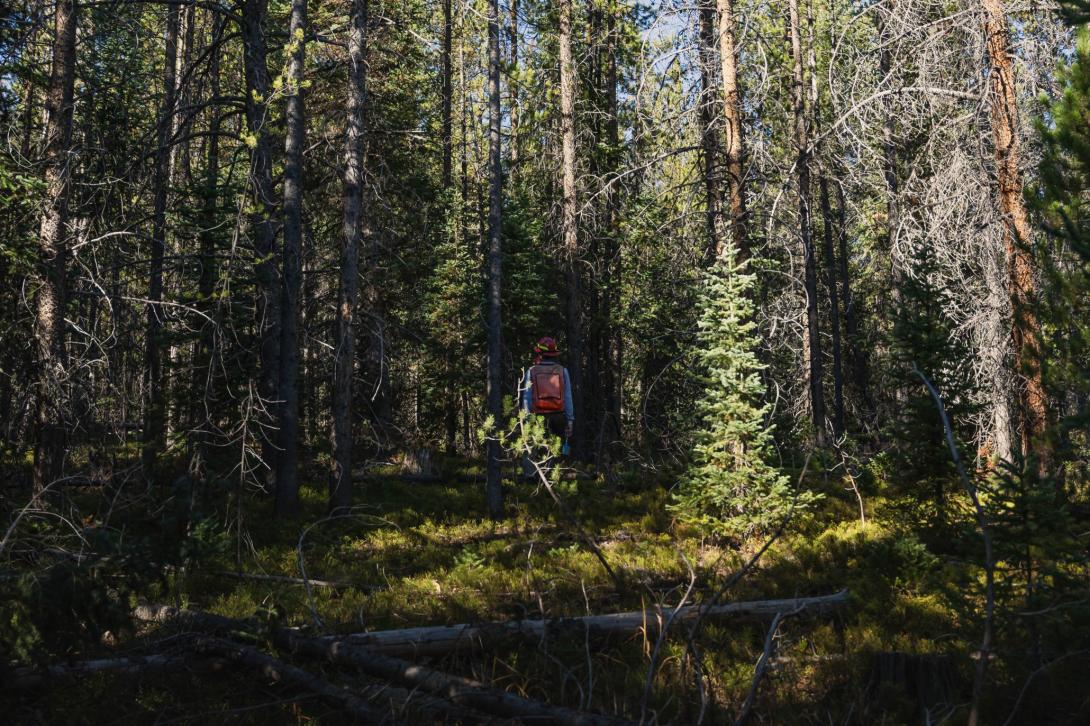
point(418, 463)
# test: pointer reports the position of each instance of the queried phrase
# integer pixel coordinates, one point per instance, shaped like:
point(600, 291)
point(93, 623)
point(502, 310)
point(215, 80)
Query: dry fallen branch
point(297, 580)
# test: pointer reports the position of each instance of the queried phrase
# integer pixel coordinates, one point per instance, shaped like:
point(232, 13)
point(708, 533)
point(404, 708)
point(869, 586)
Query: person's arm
point(569, 405)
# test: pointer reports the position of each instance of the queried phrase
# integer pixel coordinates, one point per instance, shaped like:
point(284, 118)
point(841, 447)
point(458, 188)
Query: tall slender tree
point(287, 470)
point(494, 389)
point(340, 478)
point(812, 348)
point(263, 217)
point(569, 210)
point(154, 384)
point(203, 383)
point(53, 251)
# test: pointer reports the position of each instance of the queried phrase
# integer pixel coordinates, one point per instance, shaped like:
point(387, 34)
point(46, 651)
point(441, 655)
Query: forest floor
point(414, 554)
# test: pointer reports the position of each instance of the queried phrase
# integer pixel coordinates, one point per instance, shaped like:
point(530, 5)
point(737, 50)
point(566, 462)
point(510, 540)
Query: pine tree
point(730, 488)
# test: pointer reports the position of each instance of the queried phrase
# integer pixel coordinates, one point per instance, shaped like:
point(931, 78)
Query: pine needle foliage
point(730, 488)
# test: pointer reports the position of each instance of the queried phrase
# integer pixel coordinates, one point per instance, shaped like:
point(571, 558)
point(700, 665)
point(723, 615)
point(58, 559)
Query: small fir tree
point(730, 488)
point(925, 337)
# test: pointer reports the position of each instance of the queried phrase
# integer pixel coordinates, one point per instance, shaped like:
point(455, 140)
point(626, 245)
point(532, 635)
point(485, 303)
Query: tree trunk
point(889, 157)
point(447, 130)
point(203, 384)
point(262, 219)
point(569, 211)
point(513, 86)
point(812, 347)
point(709, 139)
point(860, 373)
point(340, 479)
point(448, 95)
point(495, 263)
point(154, 384)
point(287, 470)
point(732, 114)
point(834, 307)
point(610, 431)
point(53, 252)
point(1017, 236)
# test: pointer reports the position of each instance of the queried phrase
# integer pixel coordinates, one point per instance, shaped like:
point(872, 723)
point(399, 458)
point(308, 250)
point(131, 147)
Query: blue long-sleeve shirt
point(528, 395)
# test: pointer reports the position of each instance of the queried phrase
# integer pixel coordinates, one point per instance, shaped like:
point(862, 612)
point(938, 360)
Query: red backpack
point(547, 389)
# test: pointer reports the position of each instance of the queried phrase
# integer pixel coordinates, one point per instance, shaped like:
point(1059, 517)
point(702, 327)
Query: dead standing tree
point(1017, 236)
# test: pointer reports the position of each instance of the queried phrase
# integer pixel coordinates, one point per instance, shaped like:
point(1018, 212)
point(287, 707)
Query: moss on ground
point(426, 554)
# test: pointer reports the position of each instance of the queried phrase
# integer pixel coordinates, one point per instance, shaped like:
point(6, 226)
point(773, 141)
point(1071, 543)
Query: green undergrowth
point(412, 554)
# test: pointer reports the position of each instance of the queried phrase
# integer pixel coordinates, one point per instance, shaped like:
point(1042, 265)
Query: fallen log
point(192, 659)
point(130, 666)
point(462, 692)
point(279, 671)
point(459, 690)
point(435, 640)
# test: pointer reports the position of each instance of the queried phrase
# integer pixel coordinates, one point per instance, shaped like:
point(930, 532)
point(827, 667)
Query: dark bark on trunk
point(154, 383)
point(495, 263)
point(1017, 236)
point(52, 253)
point(709, 138)
point(340, 479)
point(812, 348)
point(287, 470)
point(585, 352)
point(732, 114)
point(263, 219)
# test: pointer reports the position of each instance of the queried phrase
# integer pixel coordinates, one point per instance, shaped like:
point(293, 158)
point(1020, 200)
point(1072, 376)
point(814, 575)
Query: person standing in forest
point(546, 391)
